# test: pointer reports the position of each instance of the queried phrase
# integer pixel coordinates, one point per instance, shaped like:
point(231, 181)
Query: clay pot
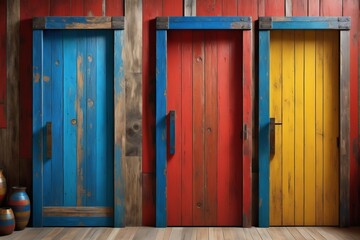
point(2, 186)
point(20, 203)
point(7, 221)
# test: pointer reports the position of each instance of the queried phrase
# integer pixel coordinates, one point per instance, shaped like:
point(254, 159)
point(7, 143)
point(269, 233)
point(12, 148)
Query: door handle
point(48, 140)
point(272, 135)
point(172, 131)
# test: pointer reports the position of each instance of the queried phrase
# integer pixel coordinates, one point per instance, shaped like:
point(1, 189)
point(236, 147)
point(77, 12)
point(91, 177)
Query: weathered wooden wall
point(16, 75)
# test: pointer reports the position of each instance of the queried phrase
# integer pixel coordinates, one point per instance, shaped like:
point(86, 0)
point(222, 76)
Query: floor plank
point(187, 233)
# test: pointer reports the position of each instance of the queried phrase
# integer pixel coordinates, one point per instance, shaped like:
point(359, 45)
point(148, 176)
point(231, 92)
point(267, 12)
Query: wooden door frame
point(80, 23)
point(266, 24)
point(163, 24)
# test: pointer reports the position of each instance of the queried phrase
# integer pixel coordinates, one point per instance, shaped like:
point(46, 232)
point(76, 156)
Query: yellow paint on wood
point(288, 152)
point(299, 127)
point(304, 96)
point(275, 111)
point(319, 128)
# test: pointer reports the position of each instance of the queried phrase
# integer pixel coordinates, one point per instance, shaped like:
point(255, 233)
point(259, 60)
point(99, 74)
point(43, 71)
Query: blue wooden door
point(78, 165)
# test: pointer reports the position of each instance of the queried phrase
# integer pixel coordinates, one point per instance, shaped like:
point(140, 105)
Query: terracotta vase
point(2, 186)
point(20, 203)
point(7, 221)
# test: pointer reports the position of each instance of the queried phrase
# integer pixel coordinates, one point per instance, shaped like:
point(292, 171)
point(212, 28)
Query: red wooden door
point(204, 175)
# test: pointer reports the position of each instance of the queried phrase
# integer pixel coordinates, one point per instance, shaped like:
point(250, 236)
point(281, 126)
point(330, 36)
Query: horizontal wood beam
point(78, 23)
point(78, 211)
point(339, 23)
point(204, 23)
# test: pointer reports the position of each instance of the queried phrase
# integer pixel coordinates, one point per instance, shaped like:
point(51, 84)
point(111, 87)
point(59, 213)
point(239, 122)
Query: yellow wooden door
point(304, 97)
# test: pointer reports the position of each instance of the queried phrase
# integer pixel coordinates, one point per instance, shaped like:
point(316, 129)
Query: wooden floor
point(132, 233)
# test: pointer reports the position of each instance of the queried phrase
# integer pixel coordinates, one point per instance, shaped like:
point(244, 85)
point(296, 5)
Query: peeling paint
point(36, 77)
point(79, 131)
point(46, 78)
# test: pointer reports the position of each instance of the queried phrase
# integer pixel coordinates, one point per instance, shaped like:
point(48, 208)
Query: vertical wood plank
point(276, 161)
point(198, 128)
point(70, 85)
point(3, 24)
point(133, 80)
point(187, 128)
point(80, 105)
point(37, 128)
point(331, 7)
point(263, 145)
point(274, 8)
point(211, 128)
point(289, 8)
point(351, 8)
point(224, 142)
point(56, 83)
point(300, 7)
point(93, 118)
point(314, 8)
point(288, 127)
point(209, 8)
point(319, 127)
point(161, 74)
point(119, 133)
point(174, 100)
point(189, 7)
point(11, 163)
point(299, 129)
point(309, 92)
point(77, 8)
point(331, 127)
point(344, 128)
point(60, 7)
point(93, 8)
point(114, 8)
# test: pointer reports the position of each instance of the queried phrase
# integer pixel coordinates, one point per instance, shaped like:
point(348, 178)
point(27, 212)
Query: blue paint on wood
point(56, 83)
point(308, 23)
point(47, 116)
point(215, 22)
point(172, 132)
point(305, 25)
point(92, 117)
point(70, 92)
point(82, 114)
point(161, 75)
point(37, 128)
point(78, 221)
point(119, 85)
point(264, 138)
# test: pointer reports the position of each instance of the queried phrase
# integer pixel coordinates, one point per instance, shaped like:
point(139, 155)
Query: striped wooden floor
point(147, 233)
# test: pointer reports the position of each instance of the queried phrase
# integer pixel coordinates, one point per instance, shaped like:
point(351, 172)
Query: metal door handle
point(272, 135)
point(48, 140)
point(172, 132)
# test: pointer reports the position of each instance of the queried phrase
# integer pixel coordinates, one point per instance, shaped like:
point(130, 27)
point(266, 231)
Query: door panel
point(205, 89)
point(78, 100)
point(304, 97)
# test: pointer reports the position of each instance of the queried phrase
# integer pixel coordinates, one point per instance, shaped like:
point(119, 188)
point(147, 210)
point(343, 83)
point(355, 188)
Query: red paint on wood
point(114, 8)
point(28, 9)
point(209, 7)
point(224, 144)
point(229, 7)
point(172, 8)
point(60, 7)
point(211, 128)
point(248, 8)
point(314, 8)
point(330, 7)
point(174, 194)
point(2, 63)
point(148, 203)
point(300, 7)
point(77, 7)
point(261, 7)
point(186, 130)
point(2, 115)
point(351, 8)
point(93, 7)
point(274, 8)
point(198, 127)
